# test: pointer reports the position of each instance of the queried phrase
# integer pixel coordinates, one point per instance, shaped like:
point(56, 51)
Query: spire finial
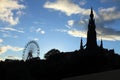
point(101, 45)
point(91, 14)
point(91, 10)
point(81, 44)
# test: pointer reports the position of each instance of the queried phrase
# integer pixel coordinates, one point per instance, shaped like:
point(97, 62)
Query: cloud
point(83, 22)
point(108, 33)
point(4, 49)
point(102, 33)
point(36, 39)
point(104, 17)
point(6, 35)
point(10, 11)
point(70, 23)
point(67, 7)
point(5, 29)
point(77, 24)
point(13, 58)
point(77, 33)
point(39, 30)
point(1, 40)
point(82, 2)
point(42, 32)
point(61, 30)
point(109, 14)
point(20, 13)
point(73, 32)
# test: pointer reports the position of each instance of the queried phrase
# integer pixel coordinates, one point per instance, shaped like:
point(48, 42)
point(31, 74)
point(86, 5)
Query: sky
point(58, 24)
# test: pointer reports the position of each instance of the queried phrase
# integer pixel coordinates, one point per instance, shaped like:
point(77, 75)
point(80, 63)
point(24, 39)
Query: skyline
point(56, 24)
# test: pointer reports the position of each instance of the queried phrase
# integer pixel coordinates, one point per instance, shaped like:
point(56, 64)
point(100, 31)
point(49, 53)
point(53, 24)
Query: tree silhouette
point(51, 53)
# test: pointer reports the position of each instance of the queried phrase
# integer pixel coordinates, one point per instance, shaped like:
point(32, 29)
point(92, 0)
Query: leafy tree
point(51, 53)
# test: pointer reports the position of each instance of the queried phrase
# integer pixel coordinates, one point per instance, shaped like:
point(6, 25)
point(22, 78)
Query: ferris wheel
point(31, 50)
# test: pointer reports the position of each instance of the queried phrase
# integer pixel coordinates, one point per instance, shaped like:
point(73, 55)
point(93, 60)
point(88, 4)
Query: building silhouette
point(91, 34)
point(91, 45)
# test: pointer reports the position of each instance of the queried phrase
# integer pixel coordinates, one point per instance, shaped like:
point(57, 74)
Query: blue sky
point(56, 24)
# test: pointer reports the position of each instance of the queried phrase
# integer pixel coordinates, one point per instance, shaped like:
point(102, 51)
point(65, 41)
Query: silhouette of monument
point(91, 45)
point(91, 34)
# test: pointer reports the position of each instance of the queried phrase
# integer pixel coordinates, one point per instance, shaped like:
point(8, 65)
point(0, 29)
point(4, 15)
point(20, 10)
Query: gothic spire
point(91, 14)
point(101, 44)
point(91, 33)
point(81, 44)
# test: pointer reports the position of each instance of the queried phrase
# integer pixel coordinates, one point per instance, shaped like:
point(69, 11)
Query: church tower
point(91, 34)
